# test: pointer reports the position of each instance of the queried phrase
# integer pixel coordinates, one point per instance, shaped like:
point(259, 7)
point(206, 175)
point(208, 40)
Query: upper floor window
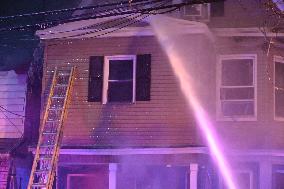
point(279, 87)
point(119, 83)
point(123, 78)
point(237, 87)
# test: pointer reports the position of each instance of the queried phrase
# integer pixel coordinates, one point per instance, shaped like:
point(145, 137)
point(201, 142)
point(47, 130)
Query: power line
point(70, 10)
point(117, 22)
point(120, 25)
point(111, 11)
point(108, 13)
point(2, 108)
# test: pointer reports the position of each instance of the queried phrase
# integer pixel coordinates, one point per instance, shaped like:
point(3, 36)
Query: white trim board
point(137, 151)
point(81, 30)
point(219, 115)
point(278, 59)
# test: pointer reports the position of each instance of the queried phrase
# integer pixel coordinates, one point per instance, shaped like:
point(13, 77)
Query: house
point(129, 124)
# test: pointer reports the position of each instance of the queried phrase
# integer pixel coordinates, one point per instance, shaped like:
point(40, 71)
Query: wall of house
point(164, 121)
point(265, 132)
point(236, 14)
point(13, 99)
point(242, 14)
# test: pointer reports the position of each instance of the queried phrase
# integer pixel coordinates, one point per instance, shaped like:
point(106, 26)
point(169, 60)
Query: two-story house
point(128, 123)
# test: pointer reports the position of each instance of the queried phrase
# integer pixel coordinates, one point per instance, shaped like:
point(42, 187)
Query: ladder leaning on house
point(47, 151)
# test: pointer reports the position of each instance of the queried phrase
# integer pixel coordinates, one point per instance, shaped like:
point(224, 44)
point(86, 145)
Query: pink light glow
point(165, 35)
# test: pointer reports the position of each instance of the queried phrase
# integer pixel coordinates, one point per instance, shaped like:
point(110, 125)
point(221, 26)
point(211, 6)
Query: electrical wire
point(104, 14)
point(45, 13)
point(6, 110)
point(100, 13)
point(127, 22)
point(21, 138)
point(108, 25)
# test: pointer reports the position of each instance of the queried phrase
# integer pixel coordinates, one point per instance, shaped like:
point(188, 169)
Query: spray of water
point(166, 33)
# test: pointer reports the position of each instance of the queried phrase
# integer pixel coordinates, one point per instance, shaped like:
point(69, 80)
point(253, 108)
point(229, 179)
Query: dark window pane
point(192, 10)
point(279, 103)
point(237, 93)
point(279, 74)
point(120, 91)
point(217, 8)
point(233, 108)
point(237, 72)
point(120, 69)
point(278, 180)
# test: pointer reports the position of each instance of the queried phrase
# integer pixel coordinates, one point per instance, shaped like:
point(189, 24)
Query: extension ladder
point(47, 151)
point(4, 170)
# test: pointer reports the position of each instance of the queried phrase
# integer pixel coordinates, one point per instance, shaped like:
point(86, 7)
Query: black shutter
point(95, 78)
point(143, 77)
point(217, 9)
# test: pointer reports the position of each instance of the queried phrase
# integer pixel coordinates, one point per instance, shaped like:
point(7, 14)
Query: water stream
point(166, 32)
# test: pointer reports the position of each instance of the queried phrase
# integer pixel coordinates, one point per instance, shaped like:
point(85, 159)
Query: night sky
point(17, 46)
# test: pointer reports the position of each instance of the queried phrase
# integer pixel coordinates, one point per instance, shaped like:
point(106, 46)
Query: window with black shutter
point(124, 78)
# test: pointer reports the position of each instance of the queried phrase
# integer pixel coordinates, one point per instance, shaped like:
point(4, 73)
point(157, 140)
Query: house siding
point(12, 98)
point(164, 121)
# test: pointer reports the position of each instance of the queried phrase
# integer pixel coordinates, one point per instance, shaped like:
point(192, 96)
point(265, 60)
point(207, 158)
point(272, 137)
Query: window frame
point(280, 60)
point(219, 114)
point(107, 59)
point(239, 171)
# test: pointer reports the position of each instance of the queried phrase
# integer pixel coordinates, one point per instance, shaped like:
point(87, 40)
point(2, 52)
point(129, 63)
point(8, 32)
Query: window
point(119, 83)
point(277, 176)
point(194, 12)
point(243, 178)
point(279, 88)
point(123, 78)
point(197, 12)
point(237, 87)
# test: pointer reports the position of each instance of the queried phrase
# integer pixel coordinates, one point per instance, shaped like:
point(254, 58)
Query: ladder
point(4, 170)
point(47, 151)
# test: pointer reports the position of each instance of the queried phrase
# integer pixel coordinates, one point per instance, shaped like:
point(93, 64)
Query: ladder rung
point(55, 109)
point(52, 121)
point(38, 185)
point(41, 171)
point(47, 145)
point(60, 97)
point(64, 74)
point(61, 85)
point(49, 133)
point(45, 157)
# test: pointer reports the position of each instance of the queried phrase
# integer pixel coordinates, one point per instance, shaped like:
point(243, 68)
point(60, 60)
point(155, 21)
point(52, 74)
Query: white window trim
point(281, 60)
point(106, 74)
point(250, 172)
point(219, 116)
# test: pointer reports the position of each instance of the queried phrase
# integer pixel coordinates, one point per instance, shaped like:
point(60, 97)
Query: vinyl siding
point(164, 121)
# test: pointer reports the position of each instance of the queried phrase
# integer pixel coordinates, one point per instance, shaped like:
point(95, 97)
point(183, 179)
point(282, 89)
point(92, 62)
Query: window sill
point(118, 103)
point(278, 118)
point(251, 118)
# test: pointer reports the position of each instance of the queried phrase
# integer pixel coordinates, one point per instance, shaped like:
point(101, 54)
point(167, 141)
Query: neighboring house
point(128, 124)
point(13, 89)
